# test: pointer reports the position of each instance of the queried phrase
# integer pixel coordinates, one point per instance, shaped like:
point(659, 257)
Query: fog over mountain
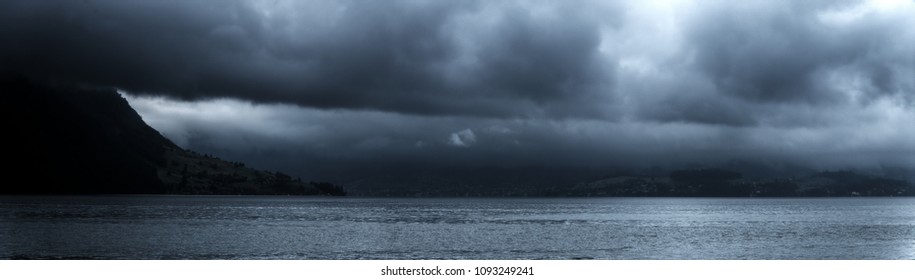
point(339, 89)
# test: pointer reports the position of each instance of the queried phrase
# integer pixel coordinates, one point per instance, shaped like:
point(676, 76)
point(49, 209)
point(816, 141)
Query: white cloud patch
point(463, 138)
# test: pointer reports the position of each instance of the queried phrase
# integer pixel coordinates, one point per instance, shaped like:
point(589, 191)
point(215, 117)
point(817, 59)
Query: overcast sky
point(599, 84)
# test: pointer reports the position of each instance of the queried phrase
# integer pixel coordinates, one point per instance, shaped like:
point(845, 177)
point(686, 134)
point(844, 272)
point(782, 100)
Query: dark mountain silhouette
point(65, 139)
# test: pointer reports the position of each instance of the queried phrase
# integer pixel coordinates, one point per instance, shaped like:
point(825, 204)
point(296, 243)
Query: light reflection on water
point(249, 227)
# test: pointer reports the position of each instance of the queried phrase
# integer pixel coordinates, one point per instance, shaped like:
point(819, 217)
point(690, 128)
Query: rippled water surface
point(252, 227)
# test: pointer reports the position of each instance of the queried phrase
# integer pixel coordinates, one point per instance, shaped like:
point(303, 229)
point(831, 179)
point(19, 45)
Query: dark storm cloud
point(435, 57)
point(294, 85)
point(760, 63)
point(476, 58)
point(791, 51)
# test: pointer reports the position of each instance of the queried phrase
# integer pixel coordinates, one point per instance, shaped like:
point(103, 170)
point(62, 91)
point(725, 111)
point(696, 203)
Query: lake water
point(253, 227)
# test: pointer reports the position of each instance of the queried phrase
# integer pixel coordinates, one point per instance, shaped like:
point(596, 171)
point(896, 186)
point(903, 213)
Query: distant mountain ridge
point(702, 182)
point(72, 140)
point(725, 183)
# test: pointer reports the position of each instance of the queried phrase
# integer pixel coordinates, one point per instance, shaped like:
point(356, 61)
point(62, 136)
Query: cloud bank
point(825, 84)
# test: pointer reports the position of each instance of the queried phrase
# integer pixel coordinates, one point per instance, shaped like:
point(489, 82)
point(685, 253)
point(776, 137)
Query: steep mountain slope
point(63, 139)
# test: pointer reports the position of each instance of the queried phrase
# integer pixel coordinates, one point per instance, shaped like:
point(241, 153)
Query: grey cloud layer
point(727, 63)
point(431, 58)
point(794, 52)
point(289, 138)
point(595, 83)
